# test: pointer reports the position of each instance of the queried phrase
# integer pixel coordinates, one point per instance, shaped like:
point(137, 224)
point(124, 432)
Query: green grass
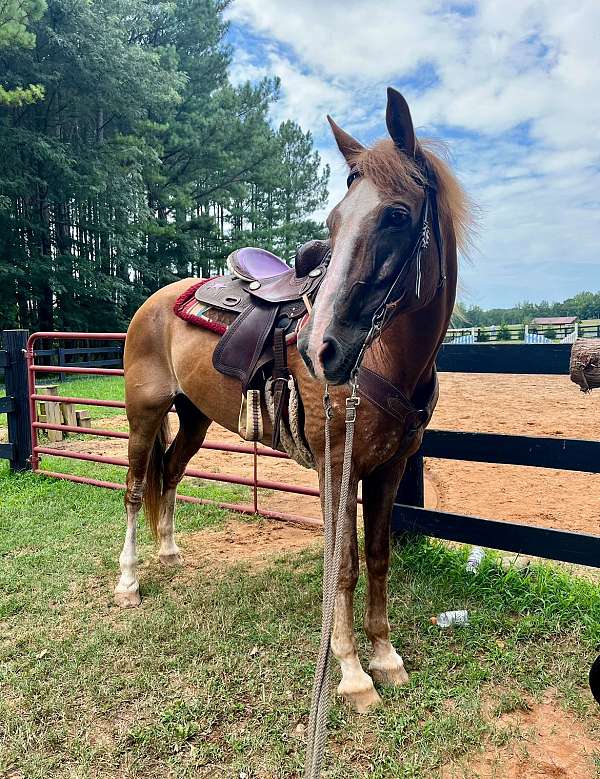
point(211, 676)
point(100, 388)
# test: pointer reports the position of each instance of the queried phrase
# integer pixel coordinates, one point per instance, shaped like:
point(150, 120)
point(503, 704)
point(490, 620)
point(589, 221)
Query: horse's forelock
point(395, 174)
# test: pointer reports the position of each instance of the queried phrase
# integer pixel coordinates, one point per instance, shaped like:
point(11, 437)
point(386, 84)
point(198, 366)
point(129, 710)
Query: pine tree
point(140, 164)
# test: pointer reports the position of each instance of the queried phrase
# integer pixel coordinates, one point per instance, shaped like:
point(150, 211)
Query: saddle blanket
point(191, 310)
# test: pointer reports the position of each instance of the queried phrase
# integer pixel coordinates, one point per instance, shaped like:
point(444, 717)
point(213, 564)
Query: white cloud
point(515, 83)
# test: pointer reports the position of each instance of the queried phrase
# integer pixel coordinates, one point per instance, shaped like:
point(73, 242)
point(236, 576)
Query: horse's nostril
point(328, 350)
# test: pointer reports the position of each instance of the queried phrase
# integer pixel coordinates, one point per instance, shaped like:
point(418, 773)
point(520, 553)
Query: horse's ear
point(348, 145)
point(399, 122)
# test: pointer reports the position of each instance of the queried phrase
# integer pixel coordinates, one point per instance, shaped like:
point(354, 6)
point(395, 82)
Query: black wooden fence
point(16, 402)
point(82, 354)
point(564, 454)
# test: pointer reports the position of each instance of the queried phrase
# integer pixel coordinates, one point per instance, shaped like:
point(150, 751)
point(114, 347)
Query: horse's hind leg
point(144, 427)
point(193, 425)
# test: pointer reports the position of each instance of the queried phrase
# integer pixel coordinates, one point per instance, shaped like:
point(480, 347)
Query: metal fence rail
point(255, 483)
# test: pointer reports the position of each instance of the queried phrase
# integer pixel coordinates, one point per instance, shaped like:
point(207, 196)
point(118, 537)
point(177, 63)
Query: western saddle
point(267, 299)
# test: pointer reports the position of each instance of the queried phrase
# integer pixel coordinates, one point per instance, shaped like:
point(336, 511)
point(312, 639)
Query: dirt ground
point(252, 543)
point(547, 743)
point(524, 405)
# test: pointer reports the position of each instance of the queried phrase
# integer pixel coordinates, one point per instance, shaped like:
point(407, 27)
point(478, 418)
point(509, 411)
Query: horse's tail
point(154, 477)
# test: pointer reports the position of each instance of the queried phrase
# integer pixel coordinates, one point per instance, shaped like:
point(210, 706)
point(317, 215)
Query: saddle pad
point(188, 308)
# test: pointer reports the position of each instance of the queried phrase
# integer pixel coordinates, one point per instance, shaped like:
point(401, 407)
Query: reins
point(332, 557)
point(332, 553)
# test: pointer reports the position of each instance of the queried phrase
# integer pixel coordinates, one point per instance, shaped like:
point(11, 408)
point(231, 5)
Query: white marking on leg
point(355, 685)
point(127, 591)
point(168, 551)
point(386, 665)
point(386, 659)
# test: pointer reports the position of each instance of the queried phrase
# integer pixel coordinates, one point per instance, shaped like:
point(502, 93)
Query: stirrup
point(250, 425)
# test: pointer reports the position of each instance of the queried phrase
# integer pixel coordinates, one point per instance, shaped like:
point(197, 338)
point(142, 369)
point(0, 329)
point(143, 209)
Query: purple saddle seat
point(252, 264)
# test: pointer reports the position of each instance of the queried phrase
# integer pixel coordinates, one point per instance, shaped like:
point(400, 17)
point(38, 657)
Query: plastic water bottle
point(448, 618)
point(475, 558)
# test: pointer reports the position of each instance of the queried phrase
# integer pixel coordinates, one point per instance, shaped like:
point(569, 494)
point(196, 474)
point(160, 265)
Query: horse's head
point(379, 244)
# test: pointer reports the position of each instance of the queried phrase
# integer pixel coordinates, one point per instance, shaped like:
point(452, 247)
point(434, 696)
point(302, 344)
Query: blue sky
point(513, 87)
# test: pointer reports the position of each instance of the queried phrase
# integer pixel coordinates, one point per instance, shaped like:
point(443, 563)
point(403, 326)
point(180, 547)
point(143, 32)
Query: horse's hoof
point(170, 560)
point(128, 598)
point(361, 701)
point(396, 675)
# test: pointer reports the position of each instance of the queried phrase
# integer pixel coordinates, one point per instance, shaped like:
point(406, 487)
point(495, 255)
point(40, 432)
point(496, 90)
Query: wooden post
point(411, 490)
point(84, 418)
point(15, 376)
point(61, 361)
point(51, 410)
point(68, 414)
point(54, 417)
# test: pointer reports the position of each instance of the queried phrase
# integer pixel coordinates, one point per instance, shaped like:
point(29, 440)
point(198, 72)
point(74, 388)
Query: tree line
point(584, 305)
point(129, 159)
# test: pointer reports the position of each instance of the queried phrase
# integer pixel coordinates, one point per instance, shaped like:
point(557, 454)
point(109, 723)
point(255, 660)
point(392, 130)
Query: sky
point(512, 87)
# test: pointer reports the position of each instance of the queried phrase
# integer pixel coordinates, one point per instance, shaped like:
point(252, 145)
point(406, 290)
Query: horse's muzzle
point(334, 359)
point(337, 356)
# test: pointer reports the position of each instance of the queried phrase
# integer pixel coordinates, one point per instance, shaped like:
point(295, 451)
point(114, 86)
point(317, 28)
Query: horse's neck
point(406, 350)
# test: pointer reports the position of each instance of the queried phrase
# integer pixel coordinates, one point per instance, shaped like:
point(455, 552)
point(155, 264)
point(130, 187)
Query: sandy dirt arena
point(520, 405)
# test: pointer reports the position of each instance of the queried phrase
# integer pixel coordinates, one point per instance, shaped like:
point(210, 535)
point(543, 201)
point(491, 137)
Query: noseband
point(389, 305)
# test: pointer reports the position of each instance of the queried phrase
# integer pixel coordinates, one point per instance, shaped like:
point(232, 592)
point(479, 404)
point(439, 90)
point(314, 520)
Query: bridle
point(385, 311)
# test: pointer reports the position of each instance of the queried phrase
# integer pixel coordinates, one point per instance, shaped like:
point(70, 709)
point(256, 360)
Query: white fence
point(536, 338)
point(465, 338)
point(464, 335)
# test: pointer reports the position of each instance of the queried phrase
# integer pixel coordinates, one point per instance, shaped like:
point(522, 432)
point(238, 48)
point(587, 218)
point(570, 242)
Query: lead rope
point(332, 556)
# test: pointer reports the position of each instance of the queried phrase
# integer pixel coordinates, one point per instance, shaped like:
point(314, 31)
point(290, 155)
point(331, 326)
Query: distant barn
point(554, 321)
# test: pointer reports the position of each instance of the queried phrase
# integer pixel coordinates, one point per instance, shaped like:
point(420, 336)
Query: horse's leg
point(356, 686)
point(143, 430)
point(379, 490)
point(193, 425)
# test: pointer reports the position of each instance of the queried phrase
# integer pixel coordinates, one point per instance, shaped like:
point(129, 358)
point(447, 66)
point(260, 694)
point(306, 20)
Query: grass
point(212, 675)
point(98, 387)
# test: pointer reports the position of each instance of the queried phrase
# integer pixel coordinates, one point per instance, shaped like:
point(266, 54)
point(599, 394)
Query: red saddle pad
point(189, 309)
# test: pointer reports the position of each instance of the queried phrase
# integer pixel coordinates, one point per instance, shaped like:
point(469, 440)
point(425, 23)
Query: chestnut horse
point(169, 362)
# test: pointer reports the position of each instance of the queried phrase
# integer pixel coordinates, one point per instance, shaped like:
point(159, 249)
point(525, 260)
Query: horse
point(392, 272)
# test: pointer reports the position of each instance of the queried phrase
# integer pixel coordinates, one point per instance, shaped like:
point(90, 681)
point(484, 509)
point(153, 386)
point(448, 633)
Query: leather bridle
point(389, 306)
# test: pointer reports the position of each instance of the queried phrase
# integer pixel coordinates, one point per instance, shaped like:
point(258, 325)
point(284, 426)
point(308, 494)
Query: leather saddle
point(266, 298)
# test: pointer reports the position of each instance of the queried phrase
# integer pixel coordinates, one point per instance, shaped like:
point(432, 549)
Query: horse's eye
point(354, 174)
point(397, 217)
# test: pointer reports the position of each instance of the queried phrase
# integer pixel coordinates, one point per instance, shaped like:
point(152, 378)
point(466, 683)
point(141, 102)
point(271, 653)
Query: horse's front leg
point(379, 490)
point(356, 686)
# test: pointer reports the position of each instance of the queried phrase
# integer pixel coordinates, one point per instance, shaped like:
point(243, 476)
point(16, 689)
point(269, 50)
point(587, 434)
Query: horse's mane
point(393, 173)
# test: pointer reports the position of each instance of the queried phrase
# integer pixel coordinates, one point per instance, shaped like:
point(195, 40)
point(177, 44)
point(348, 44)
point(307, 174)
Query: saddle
point(267, 298)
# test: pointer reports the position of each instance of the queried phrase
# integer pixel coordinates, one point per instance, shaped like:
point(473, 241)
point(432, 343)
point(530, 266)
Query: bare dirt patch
point(548, 743)
point(243, 542)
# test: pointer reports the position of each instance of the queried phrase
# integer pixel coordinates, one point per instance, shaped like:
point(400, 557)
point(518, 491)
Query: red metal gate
point(255, 451)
